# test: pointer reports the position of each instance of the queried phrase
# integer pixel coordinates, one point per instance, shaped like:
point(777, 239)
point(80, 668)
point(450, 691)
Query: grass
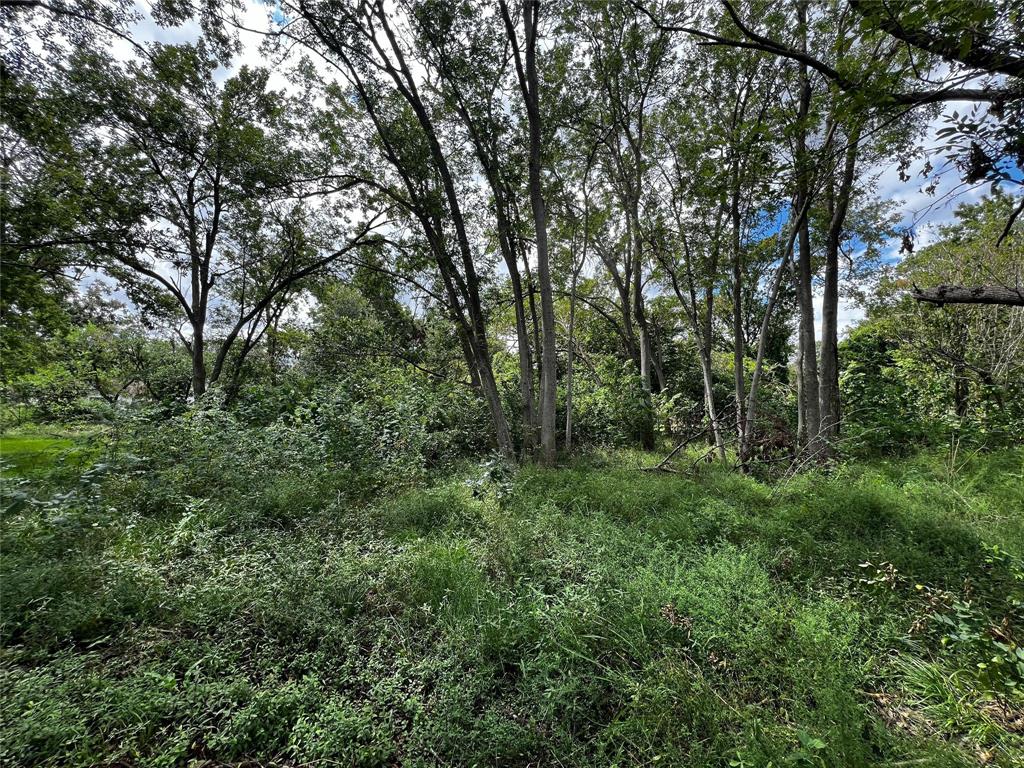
point(586, 615)
point(31, 451)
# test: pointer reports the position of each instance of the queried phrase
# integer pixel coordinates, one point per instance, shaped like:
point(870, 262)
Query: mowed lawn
point(592, 614)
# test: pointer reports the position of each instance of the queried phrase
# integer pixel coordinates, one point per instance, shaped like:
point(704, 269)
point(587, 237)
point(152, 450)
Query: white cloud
point(919, 209)
point(849, 315)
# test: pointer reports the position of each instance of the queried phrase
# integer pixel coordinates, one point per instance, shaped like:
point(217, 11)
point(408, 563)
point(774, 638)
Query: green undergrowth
point(30, 451)
point(592, 614)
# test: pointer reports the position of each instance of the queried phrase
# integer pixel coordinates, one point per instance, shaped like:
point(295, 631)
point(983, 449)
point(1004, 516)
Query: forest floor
point(592, 614)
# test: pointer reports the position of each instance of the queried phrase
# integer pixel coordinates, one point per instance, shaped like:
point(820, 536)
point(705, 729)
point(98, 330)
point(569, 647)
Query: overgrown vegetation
point(165, 610)
point(511, 383)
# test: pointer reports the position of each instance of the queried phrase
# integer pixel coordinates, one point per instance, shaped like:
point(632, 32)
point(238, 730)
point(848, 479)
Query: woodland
point(512, 383)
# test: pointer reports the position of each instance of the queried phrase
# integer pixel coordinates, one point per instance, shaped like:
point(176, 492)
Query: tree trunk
point(762, 339)
point(647, 435)
point(272, 352)
point(549, 359)
point(808, 348)
point(702, 330)
point(509, 251)
point(800, 423)
point(656, 364)
point(805, 274)
point(482, 134)
point(467, 349)
point(468, 281)
point(961, 392)
point(569, 355)
point(198, 361)
point(525, 359)
point(829, 384)
point(738, 345)
point(531, 298)
point(709, 403)
point(705, 359)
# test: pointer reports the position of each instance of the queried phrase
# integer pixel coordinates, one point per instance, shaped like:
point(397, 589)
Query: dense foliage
point(469, 383)
point(168, 609)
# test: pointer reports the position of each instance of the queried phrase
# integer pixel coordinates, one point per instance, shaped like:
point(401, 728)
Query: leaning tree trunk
point(487, 154)
point(702, 330)
point(705, 361)
point(709, 403)
point(469, 280)
point(509, 249)
point(762, 339)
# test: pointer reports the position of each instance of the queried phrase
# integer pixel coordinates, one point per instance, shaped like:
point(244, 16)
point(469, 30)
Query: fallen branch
point(701, 431)
point(979, 294)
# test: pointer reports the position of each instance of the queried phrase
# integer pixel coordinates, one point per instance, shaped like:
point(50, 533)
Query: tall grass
point(586, 615)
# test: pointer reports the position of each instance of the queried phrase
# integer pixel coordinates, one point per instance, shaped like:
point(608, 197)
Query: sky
point(919, 211)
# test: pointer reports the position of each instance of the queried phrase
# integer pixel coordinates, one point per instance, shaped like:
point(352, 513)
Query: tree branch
point(758, 42)
point(980, 294)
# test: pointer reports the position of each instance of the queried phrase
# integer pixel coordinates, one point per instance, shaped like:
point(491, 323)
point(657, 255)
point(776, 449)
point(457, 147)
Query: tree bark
point(570, 352)
point(828, 401)
point(805, 272)
point(487, 154)
point(644, 341)
point(702, 328)
point(808, 347)
point(198, 349)
point(467, 282)
point(738, 343)
point(976, 294)
point(762, 339)
point(549, 360)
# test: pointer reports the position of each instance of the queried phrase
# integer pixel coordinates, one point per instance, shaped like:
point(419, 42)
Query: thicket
point(335, 398)
point(217, 591)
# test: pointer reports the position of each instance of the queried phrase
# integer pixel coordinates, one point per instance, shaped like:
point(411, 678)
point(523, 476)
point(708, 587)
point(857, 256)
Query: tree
point(471, 59)
point(213, 223)
point(960, 366)
point(981, 44)
point(362, 41)
point(529, 84)
point(38, 192)
point(628, 65)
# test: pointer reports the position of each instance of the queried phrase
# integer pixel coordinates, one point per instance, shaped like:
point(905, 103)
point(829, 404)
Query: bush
point(614, 411)
point(591, 615)
point(880, 412)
